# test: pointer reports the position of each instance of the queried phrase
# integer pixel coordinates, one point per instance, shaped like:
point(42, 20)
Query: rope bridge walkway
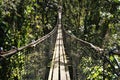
point(59, 70)
point(59, 55)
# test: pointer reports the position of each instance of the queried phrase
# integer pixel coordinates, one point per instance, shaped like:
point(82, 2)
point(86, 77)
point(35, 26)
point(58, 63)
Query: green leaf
point(111, 58)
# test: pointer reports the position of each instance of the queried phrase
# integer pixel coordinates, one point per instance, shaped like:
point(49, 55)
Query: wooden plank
point(63, 68)
point(53, 74)
point(59, 60)
point(66, 67)
point(62, 63)
point(56, 63)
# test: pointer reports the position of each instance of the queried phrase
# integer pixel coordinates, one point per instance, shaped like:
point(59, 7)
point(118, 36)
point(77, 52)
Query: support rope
point(32, 44)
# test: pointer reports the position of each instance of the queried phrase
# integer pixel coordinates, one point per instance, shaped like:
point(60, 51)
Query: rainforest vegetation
point(95, 21)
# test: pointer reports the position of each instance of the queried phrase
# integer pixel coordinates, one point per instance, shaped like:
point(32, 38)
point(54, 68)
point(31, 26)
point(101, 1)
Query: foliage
point(21, 22)
point(96, 21)
point(92, 20)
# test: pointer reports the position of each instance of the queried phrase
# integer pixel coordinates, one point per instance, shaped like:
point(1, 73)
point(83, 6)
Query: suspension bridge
point(57, 56)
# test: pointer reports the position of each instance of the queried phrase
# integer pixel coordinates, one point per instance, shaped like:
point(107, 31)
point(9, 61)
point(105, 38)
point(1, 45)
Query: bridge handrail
point(98, 49)
point(32, 44)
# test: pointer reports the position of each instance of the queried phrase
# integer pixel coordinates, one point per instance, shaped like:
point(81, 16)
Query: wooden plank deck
point(59, 69)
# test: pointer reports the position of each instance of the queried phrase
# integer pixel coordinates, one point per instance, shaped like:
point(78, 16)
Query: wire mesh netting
point(29, 62)
point(88, 62)
point(85, 61)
